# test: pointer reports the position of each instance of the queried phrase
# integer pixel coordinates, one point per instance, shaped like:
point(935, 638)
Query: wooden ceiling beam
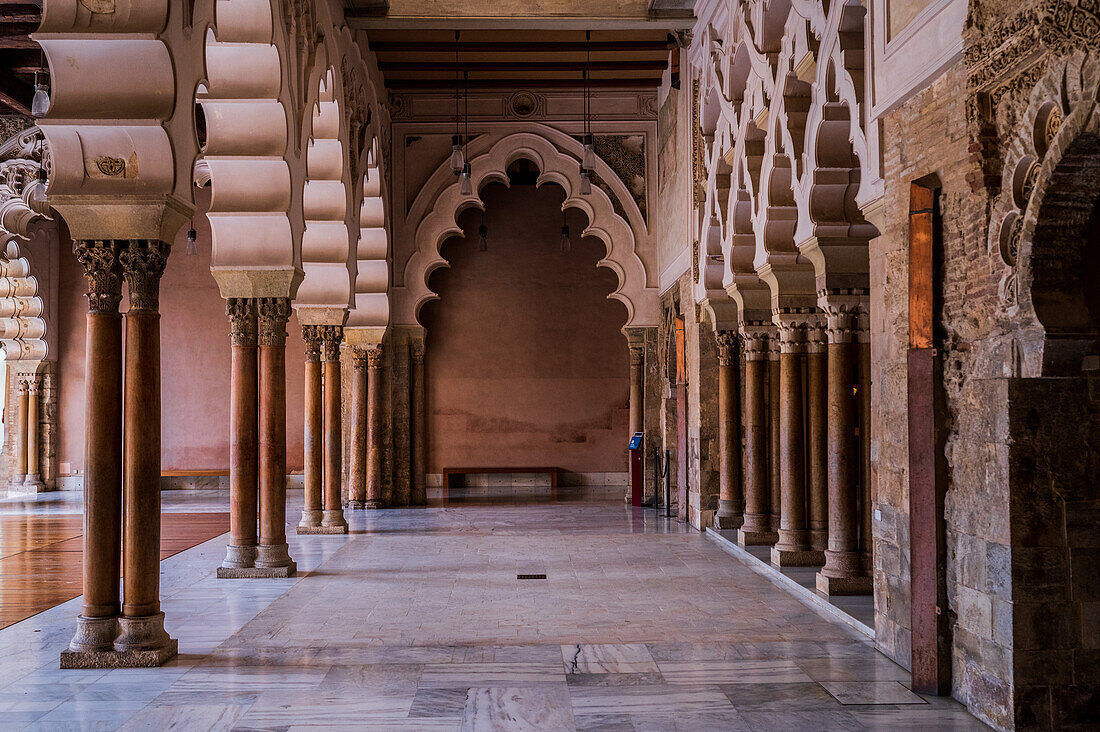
point(518, 46)
point(483, 66)
point(15, 93)
point(635, 83)
point(18, 42)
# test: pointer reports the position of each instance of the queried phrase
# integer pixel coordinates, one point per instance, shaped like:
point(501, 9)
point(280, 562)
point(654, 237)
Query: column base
point(756, 538)
point(33, 482)
point(334, 520)
point(819, 539)
point(237, 557)
point(93, 635)
point(273, 556)
point(119, 659)
point(311, 519)
point(258, 572)
point(775, 521)
point(145, 634)
point(797, 557)
point(728, 522)
point(356, 505)
point(861, 585)
point(374, 504)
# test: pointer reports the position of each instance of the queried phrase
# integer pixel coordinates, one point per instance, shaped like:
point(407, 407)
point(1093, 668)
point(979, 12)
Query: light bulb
point(465, 187)
point(586, 183)
point(41, 102)
point(589, 160)
point(458, 160)
point(192, 237)
point(566, 243)
point(483, 238)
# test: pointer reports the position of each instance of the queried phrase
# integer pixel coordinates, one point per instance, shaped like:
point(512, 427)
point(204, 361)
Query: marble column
point(637, 388)
point(272, 554)
point(817, 428)
point(843, 572)
point(775, 461)
point(793, 547)
point(332, 521)
point(730, 514)
point(866, 497)
point(243, 431)
point(357, 459)
point(313, 472)
point(97, 626)
point(419, 494)
point(375, 497)
point(34, 477)
point(756, 529)
point(141, 627)
point(22, 396)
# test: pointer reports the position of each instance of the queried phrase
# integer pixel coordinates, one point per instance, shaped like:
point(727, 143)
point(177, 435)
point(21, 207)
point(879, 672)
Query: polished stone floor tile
point(416, 621)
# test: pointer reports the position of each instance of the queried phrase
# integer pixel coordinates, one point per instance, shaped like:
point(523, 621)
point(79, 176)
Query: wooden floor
point(40, 556)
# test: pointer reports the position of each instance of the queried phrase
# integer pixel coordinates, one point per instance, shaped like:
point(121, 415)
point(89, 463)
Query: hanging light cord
point(466, 149)
point(456, 81)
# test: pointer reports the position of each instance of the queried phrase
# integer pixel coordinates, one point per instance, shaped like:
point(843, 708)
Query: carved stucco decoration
point(624, 154)
point(556, 166)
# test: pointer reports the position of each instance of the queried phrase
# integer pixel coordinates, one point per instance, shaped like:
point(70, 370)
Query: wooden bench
point(449, 473)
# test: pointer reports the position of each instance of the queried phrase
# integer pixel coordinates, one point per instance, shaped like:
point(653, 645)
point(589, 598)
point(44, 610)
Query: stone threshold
point(818, 603)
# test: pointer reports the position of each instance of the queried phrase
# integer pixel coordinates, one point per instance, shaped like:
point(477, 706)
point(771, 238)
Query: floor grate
point(531, 576)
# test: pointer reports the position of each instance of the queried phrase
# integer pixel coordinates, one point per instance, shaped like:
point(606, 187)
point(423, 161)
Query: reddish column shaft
point(242, 446)
point(792, 532)
point(333, 431)
point(729, 438)
point(32, 433)
point(314, 472)
point(272, 445)
point(817, 446)
point(374, 432)
point(774, 459)
point(419, 496)
point(843, 530)
point(357, 473)
point(141, 587)
point(757, 488)
point(866, 497)
point(21, 421)
point(102, 465)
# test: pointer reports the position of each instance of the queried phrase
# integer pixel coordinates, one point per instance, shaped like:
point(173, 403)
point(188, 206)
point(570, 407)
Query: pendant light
point(40, 103)
point(458, 159)
point(465, 185)
point(586, 182)
point(566, 242)
point(192, 237)
point(483, 234)
point(589, 159)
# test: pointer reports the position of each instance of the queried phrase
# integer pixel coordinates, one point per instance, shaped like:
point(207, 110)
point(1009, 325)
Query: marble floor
point(417, 620)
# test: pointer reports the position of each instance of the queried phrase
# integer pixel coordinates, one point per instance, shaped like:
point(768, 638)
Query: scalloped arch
point(557, 167)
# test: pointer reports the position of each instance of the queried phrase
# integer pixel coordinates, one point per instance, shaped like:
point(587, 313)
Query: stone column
point(272, 555)
point(34, 476)
point(756, 529)
point(141, 627)
point(313, 473)
point(866, 497)
point(22, 403)
point(774, 458)
point(817, 463)
point(332, 521)
point(730, 513)
point(842, 573)
point(375, 488)
point(243, 390)
point(357, 470)
point(419, 495)
point(637, 388)
point(793, 547)
point(97, 625)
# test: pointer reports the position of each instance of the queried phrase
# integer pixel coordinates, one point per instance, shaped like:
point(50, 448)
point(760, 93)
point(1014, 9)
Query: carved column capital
point(374, 357)
point(815, 338)
point(727, 347)
point(272, 316)
point(242, 321)
point(756, 339)
point(331, 335)
point(358, 357)
point(795, 326)
point(103, 271)
point(637, 355)
point(417, 354)
point(311, 334)
point(28, 383)
point(143, 262)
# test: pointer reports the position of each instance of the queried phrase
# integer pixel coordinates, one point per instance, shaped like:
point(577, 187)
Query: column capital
point(417, 353)
point(242, 321)
point(358, 357)
point(637, 355)
point(143, 262)
point(331, 336)
point(795, 325)
point(842, 311)
point(374, 357)
point(757, 338)
point(311, 334)
point(727, 346)
point(272, 316)
point(28, 383)
point(103, 271)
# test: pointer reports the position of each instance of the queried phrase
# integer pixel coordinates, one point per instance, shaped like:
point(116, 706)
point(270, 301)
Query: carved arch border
point(555, 166)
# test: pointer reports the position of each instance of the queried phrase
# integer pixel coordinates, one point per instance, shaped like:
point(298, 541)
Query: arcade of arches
point(375, 296)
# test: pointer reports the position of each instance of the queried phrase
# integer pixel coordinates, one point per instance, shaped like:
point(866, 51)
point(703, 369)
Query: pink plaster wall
point(194, 362)
point(526, 362)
